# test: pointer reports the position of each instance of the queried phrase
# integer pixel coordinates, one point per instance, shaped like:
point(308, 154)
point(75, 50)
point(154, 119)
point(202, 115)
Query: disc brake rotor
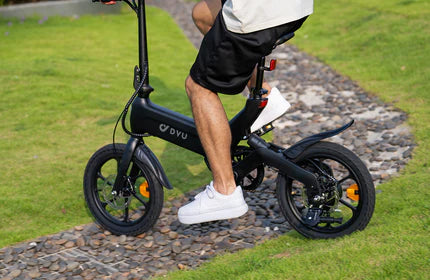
point(117, 202)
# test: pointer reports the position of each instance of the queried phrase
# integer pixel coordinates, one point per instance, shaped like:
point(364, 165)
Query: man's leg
point(214, 132)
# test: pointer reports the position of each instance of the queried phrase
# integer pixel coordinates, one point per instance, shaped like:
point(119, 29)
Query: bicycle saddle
point(283, 39)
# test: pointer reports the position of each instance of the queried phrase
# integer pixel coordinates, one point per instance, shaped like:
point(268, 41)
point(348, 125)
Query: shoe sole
point(224, 214)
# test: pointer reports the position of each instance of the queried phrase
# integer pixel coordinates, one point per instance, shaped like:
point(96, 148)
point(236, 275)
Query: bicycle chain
point(257, 191)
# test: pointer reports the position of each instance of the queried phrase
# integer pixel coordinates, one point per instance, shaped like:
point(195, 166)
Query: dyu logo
point(172, 131)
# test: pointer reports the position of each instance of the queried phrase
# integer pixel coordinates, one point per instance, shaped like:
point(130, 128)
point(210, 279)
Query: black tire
point(355, 211)
point(131, 214)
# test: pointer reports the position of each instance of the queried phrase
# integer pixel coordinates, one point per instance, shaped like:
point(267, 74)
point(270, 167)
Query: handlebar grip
point(107, 2)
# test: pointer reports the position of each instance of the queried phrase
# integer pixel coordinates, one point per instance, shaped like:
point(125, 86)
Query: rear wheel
point(132, 211)
point(347, 199)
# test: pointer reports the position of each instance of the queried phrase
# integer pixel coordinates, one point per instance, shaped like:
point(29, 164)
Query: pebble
point(69, 244)
point(173, 235)
point(80, 242)
point(321, 99)
point(14, 273)
point(34, 273)
point(71, 266)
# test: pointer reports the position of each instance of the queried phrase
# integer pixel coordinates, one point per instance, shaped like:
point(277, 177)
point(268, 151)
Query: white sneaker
point(276, 107)
point(210, 205)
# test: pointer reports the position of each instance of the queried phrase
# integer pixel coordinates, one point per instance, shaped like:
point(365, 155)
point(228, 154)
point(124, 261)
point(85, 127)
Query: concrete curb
point(58, 8)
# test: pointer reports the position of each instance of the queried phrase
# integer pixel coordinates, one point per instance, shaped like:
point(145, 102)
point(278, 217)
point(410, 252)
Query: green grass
point(60, 92)
point(62, 85)
point(385, 46)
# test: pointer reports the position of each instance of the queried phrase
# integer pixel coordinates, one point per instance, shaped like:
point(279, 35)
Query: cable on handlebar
point(132, 5)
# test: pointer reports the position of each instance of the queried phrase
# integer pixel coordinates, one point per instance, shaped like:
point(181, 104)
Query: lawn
point(384, 46)
point(63, 83)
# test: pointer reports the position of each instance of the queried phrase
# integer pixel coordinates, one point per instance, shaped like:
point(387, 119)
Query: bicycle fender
point(150, 161)
point(295, 150)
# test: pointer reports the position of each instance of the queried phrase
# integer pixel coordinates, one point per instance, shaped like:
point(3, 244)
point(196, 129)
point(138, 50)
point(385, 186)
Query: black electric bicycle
point(323, 189)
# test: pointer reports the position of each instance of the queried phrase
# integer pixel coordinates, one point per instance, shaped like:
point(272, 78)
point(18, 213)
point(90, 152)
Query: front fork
point(121, 177)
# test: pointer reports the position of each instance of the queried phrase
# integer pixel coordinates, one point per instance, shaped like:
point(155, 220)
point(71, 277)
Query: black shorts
point(226, 60)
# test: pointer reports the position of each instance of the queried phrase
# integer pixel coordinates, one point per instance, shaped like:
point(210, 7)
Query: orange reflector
point(143, 189)
point(352, 192)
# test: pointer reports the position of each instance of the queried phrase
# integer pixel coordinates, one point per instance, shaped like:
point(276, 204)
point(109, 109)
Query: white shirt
point(246, 16)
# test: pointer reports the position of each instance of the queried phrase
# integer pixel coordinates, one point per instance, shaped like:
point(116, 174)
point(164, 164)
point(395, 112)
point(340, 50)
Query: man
point(242, 32)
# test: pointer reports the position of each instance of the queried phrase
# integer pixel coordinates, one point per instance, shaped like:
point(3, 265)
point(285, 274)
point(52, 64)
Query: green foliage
point(63, 83)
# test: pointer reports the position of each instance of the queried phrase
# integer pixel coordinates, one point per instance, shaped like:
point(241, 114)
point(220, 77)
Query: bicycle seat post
point(258, 90)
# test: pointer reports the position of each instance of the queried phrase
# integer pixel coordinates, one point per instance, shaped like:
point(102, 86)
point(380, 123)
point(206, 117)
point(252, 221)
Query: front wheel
point(132, 211)
point(345, 202)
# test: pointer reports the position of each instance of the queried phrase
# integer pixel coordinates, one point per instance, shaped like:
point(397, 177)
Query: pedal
point(312, 218)
point(268, 127)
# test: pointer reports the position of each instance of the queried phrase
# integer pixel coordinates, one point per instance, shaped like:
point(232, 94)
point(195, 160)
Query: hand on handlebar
point(106, 2)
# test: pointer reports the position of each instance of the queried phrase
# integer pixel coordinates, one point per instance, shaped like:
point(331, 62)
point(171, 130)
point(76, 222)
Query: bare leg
point(214, 132)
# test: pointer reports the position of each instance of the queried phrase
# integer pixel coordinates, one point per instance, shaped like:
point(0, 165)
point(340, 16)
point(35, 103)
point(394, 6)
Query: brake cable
point(124, 112)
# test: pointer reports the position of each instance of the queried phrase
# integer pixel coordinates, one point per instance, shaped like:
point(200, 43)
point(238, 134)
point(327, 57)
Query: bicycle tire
point(292, 200)
point(102, 205)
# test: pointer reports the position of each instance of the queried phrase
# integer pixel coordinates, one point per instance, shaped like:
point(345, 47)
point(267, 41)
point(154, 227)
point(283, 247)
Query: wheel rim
point(133, 205)
point(338, 207)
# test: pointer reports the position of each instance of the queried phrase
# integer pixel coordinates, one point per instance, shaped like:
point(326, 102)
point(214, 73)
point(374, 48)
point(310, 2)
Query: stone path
point(321, 99)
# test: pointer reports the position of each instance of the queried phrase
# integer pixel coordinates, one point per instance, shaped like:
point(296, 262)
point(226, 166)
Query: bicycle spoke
point(250, 177)
point(327, 225)
point(344, 179)
point(126, 214)
point(141, 200)
point(319, 167)
point(349, 205)
point(99, 175)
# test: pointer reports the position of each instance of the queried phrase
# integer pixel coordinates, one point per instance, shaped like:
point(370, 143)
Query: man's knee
point(199, 15)
point(190, 86)
point(194, 90)
point(204, 14)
